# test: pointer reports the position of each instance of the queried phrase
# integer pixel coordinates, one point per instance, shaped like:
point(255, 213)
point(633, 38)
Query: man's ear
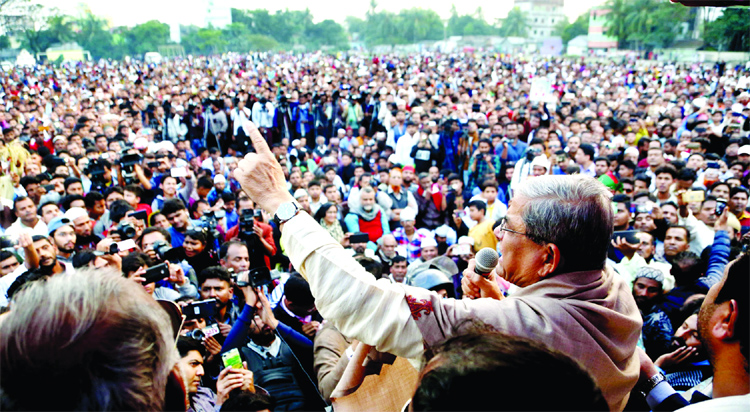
point(726, 314)
point(552, 260)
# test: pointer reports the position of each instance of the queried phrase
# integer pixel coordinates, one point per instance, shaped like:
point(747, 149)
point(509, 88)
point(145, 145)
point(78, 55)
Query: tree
point(146, 37)
point(616, 25)
point(93, 35)
point(568, 31)
point(515, 24)
point(731, 31)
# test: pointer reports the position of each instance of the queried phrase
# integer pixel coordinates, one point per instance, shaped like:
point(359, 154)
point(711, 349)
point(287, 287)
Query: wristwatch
point(650, 384)
point(285, 212)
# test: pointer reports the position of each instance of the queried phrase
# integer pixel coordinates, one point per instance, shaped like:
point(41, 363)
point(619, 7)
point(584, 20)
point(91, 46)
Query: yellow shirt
point(483, 235)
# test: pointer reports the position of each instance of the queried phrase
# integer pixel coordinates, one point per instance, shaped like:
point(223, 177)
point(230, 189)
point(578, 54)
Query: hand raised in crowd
point(676, 358)
point(212, 346)
point(627, 249)
point(261, 176)
point(233, 378)
point(224, 329)
point(722, 221)
point(475, 286)
point(176, 274)
point(266, 313)
point(251, 294)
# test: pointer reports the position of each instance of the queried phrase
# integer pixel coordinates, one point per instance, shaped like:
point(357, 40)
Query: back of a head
point(572, 212)
point(466, 371)
point(735, 288)
point(90, 340)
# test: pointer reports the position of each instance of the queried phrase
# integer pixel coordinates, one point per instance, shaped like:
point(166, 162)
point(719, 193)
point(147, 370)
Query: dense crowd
point(410, 163)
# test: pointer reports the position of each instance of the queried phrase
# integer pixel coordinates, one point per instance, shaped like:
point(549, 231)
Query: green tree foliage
point(731, 31)
point(469, 25)
point(569, 31)
point(408, 26)
point(515, 24)
point(146, 37)
point(645, 24)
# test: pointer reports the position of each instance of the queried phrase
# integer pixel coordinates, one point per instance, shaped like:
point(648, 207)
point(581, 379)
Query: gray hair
point(366, 189)
point(572, 212)
point(95, 337)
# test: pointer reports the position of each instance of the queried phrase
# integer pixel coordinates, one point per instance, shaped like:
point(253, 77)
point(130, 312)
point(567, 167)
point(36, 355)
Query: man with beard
point(648, 291)
point(723, 333)
point(688, 365)
point(84, 228)
point(387, 251)
point(215, 283)
point(368, 217)
point(64, 237)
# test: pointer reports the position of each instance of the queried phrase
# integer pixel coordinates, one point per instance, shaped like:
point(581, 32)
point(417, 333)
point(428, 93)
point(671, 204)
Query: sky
point(132, 12)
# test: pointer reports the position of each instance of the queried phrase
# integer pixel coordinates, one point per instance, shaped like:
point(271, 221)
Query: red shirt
point(267, 236)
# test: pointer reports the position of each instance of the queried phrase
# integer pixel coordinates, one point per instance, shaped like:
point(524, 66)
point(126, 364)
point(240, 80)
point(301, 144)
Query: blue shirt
point(515, 153)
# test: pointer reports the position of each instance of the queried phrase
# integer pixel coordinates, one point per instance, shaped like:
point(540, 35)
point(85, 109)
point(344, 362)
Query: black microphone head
point(486, 260)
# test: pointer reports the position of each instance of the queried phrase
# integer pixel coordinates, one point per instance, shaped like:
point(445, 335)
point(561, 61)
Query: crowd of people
point(304, 210)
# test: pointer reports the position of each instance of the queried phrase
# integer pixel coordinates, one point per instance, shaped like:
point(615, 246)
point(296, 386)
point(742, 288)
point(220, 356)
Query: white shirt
point(18, 227)
point(239, 118)
point(264, 351)
point(403, 149)
point(263, 115)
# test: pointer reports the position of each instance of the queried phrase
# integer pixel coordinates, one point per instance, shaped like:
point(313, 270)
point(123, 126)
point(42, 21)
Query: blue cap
point(57, 223)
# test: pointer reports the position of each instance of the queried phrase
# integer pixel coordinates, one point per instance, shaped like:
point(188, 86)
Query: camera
point(209, 220)
point(7, 243)
point(256, 277)
point(207, 332)
point(127, 164)
point(161, 247)
point(125, 230)
point(96, 170)
point(247, 223)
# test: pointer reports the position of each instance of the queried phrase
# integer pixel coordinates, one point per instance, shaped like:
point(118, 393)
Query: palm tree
point(616, 25)
point(515, 25)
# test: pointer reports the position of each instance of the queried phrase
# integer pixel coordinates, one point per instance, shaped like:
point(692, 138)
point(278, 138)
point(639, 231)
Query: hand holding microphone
point(479, 280)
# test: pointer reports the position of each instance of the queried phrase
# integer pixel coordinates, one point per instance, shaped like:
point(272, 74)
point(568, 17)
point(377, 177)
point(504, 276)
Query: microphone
point(485, 260)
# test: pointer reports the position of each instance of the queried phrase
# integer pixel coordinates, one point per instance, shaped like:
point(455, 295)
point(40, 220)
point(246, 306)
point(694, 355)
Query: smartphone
point(140, 215)
point(178, 172)
point(693, 196)
point(203, 309)
point(359, 238)
point(156, 273)
point(628, 235)
point(232, 359)
point(721, 204)
point(125, 245)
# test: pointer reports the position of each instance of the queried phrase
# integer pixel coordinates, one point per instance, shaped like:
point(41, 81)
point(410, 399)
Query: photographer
point(257, 324)
point(259, 237)
point(482, 164)
point(135, 267)
point(177, 214)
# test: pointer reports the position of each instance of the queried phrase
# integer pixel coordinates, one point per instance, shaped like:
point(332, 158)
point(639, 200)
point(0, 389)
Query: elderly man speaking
point(553, 241)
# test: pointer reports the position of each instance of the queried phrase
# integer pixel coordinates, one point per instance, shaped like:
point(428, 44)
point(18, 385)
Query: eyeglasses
point(504, 227)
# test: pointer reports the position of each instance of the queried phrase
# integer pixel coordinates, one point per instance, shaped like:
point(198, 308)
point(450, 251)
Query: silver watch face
point(286, 211)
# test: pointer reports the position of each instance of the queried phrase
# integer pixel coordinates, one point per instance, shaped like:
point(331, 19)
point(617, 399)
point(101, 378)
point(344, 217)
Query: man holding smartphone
point(201, 398)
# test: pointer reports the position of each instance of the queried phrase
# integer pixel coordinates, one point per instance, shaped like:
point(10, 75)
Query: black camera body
point(161, 247)
point(256, 277)
point(96, 171)
point(247, 223)
point(125, 230)
point(127, 164)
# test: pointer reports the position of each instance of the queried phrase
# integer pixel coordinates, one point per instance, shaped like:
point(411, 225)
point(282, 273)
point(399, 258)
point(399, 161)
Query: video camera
point(209, 220)
point(96, 171)
point(127, 164)
point(247, 223)
point(126, 230)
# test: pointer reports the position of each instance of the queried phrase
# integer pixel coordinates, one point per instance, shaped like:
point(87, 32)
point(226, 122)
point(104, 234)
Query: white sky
point(131, 12)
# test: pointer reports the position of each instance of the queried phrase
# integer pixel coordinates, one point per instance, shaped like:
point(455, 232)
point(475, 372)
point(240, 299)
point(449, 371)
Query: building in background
point(597, 37)
point(541, 16)
point(218, 14)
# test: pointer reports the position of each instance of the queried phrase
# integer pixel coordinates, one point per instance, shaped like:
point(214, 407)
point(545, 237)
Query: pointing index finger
point(259, 143)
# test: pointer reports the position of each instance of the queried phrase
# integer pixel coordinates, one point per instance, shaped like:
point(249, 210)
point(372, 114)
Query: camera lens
point(197, 334)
